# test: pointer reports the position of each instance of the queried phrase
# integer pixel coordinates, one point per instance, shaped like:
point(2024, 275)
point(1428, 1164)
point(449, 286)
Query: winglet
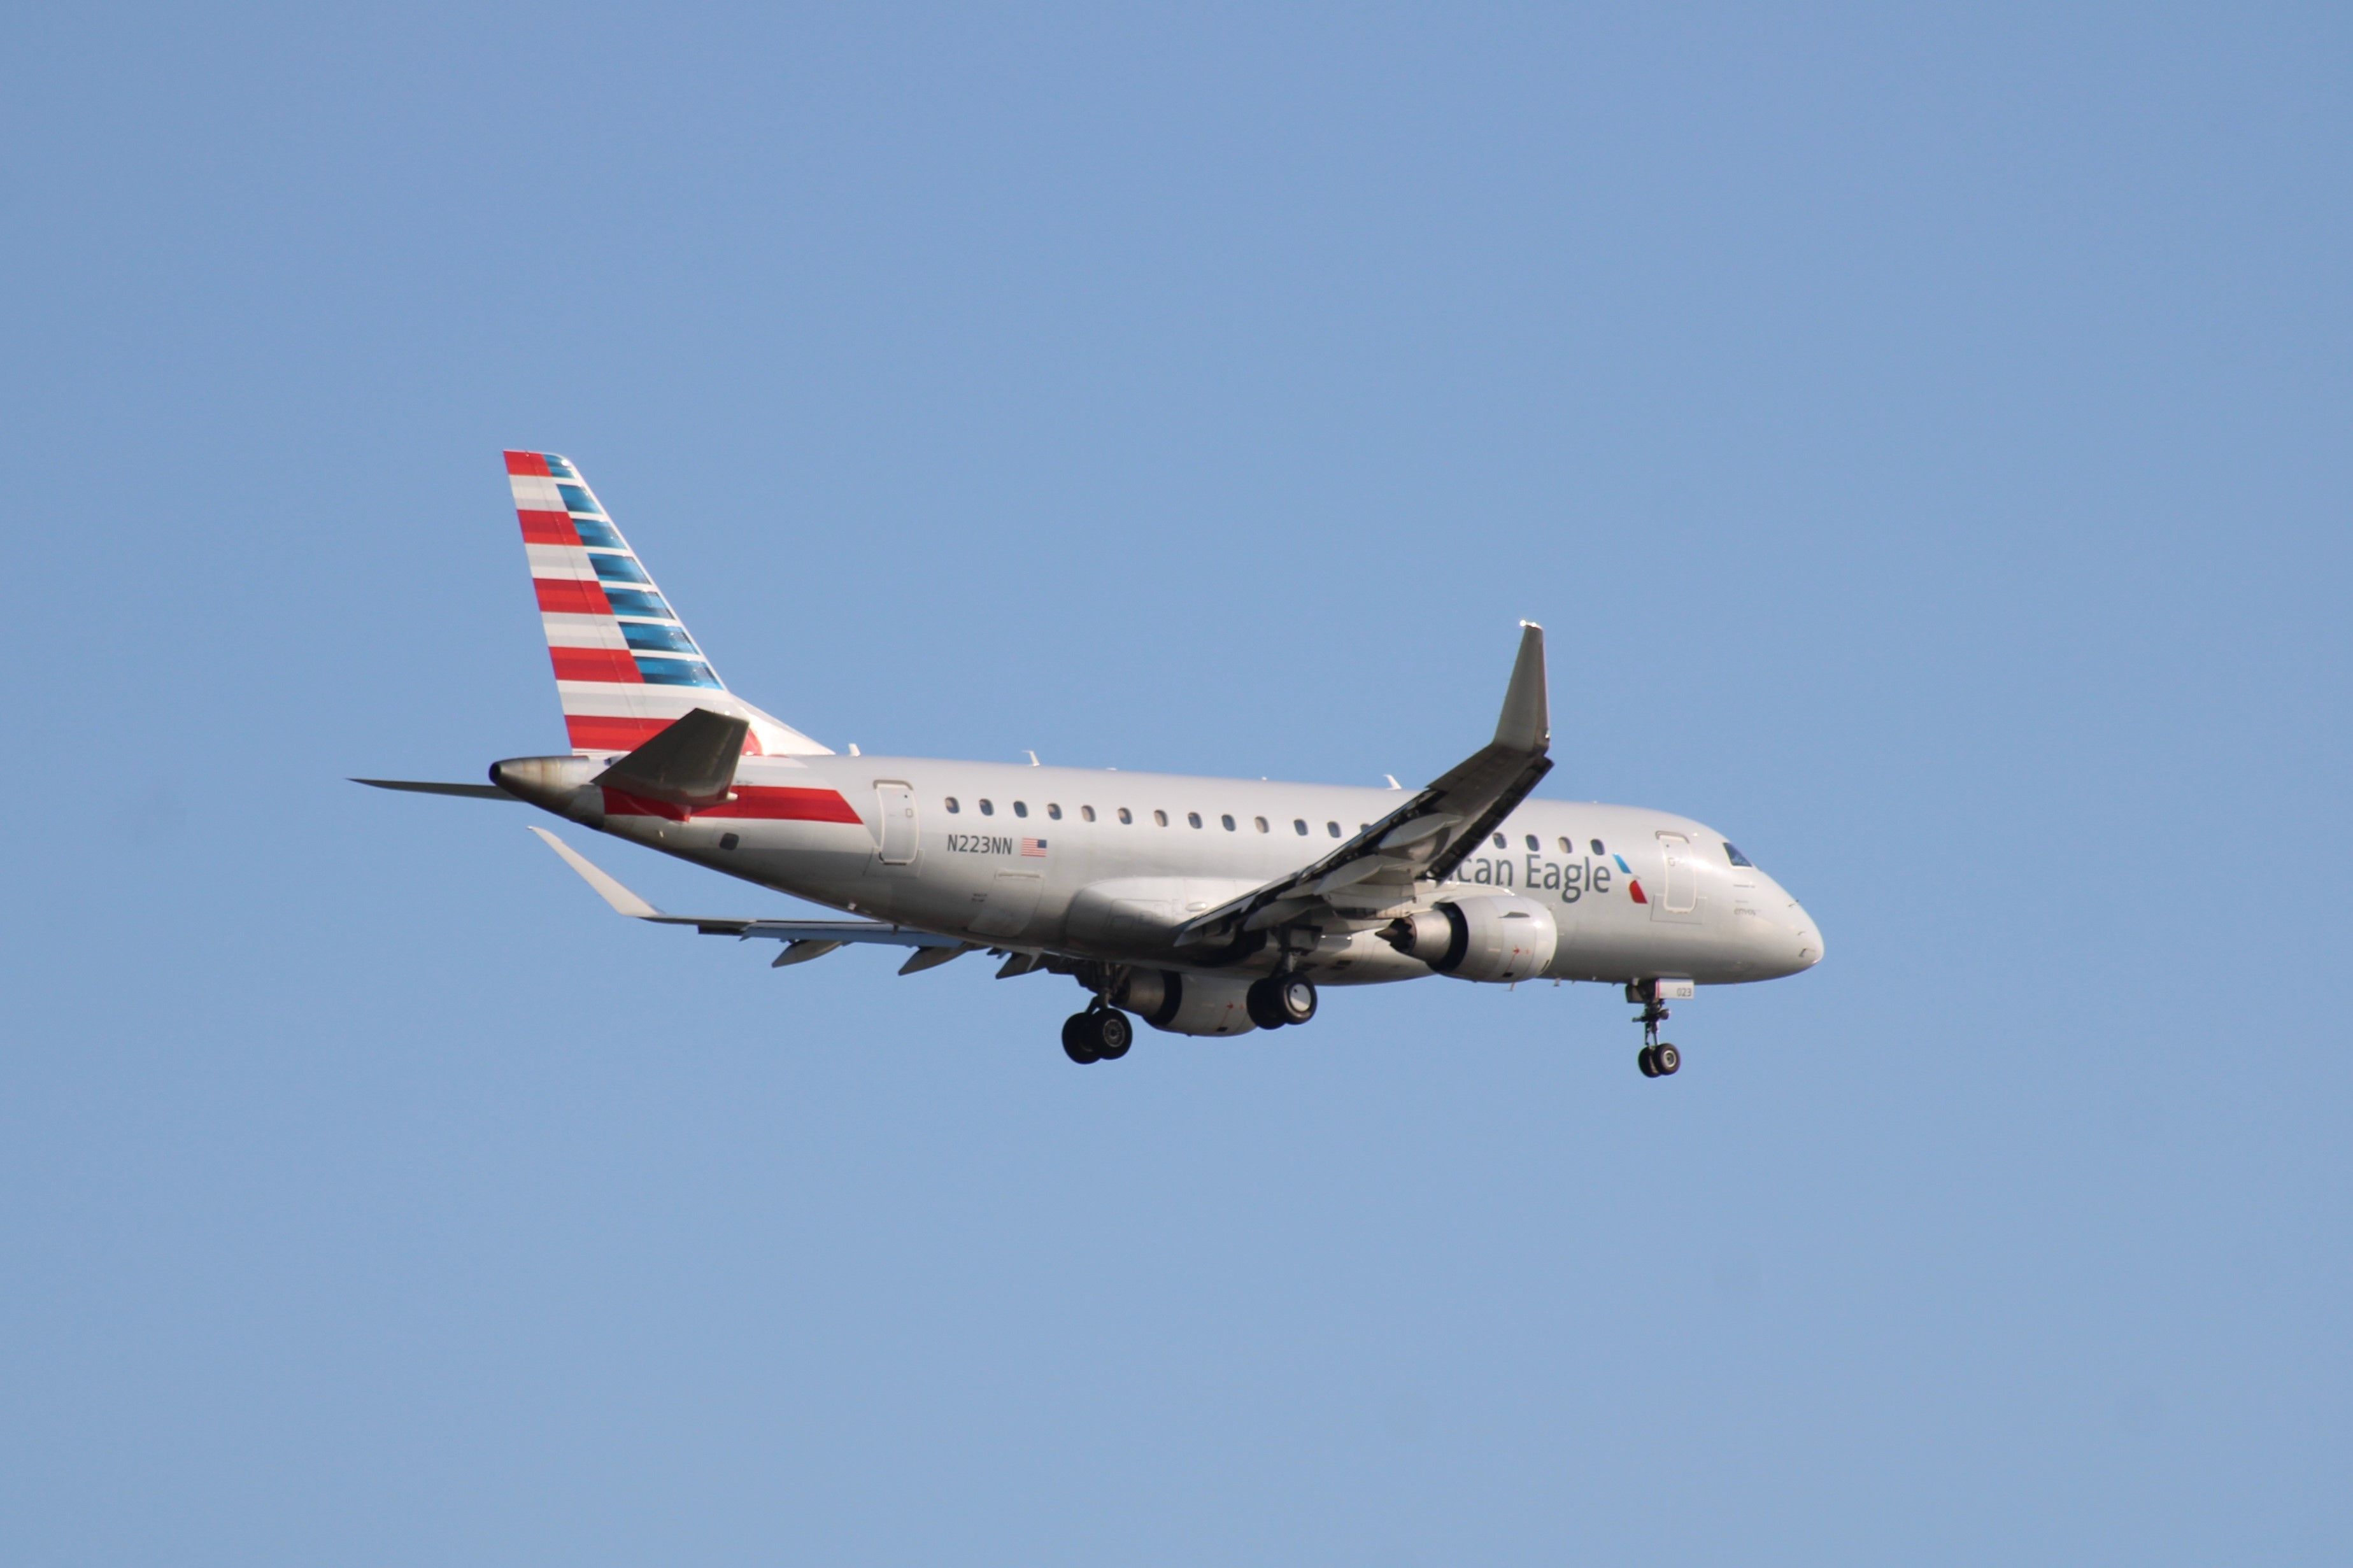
point(1527, 721)
point(611, 891)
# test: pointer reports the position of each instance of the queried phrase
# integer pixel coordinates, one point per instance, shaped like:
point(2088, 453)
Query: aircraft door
point(896, 803)
point(1678, 897)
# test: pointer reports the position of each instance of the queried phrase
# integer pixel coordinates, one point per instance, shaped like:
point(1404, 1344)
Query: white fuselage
point(1106, 865)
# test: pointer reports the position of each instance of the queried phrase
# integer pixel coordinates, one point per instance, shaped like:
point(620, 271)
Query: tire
point(1078, 1042)
point(1642, 1059)
point(1668, 1057)
point(1111, 1034)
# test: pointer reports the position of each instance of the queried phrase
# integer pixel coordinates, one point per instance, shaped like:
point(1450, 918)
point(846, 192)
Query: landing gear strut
point(1101, 1034)
point(1656, 1058)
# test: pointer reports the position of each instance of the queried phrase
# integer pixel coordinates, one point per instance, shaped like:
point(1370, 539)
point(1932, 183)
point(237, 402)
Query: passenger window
point(1598, 849)
point(953, 807)
point(1502, 842)
point(1160, 818)
point(1737, 857)
point(1020, 809)
point(1262, 825)
point(988, 808)
point(1335, 827)
point(1301, 824)
point(1229, 820)
point(1194, 818)
point(1535, 843)
point(1126, 817)
point(1568, 847)
point(1053, 811)
point(1086, 814)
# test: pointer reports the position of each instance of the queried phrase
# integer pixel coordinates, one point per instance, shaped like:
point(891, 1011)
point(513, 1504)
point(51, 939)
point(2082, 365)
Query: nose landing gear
point(1657, 1058)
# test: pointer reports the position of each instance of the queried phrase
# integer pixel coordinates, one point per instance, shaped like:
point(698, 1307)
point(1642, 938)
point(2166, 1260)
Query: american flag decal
point(1034, 847)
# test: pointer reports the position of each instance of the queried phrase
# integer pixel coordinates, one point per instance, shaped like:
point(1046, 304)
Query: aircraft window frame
point(1159, 817)
point(953, 807)
point(1086, 814)
point(1227, 821)
point(987, 806)
point(1731, 853)
point(1301, 824)
point(1194, 818)
point(1020, 809)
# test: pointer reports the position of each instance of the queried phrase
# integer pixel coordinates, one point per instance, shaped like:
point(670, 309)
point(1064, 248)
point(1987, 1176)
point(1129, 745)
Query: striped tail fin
point(625, 666)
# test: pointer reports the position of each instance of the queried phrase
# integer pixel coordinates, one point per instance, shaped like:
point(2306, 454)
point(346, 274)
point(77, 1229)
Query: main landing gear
point(1101, 1034)
point(1657, 1058)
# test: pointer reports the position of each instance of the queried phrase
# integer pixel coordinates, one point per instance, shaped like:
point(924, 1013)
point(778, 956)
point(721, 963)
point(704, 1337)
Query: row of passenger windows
point(1535, 845)
point(1193, 818)
point(1087, 814)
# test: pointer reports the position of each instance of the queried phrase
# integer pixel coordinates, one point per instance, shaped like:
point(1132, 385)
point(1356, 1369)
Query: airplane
point(1202, 906)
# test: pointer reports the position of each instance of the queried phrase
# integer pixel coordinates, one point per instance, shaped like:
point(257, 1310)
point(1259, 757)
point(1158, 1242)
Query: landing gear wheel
point(1078, 1039)
point(1642, 1059)
point(1109, 1033)
point(1666, 1059)
point(1280, 999)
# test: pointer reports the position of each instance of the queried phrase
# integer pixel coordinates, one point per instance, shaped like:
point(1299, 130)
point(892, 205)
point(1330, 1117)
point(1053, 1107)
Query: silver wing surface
point(1422, 840)
point(804, 940)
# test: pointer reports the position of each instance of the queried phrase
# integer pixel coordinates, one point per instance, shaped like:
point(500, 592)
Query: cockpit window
point(1731, 853)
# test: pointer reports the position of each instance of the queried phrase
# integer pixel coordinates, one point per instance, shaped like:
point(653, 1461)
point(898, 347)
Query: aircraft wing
point(805, 939)
point(1427, 837)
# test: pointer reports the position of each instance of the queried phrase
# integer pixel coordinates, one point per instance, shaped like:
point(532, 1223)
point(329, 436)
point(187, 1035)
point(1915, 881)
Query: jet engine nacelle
point(1493, 937)
point(1188, 1003)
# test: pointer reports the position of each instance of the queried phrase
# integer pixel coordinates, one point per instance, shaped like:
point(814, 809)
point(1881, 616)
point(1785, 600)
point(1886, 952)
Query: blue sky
point(1923, 433)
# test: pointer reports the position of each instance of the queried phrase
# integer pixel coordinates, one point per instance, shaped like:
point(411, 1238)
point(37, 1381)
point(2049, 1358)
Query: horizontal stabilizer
point(422, 786)
point(690, 763)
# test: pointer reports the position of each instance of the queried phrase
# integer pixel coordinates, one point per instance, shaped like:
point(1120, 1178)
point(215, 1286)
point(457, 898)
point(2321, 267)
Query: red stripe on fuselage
point(760, 802)
point(1634, 885)
point(563, 597)
point(528, 463)
point(547, 527)
point(607, 664)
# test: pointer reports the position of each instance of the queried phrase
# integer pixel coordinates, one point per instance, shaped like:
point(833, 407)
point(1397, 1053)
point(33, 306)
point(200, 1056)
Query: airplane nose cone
point(1809, 940)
